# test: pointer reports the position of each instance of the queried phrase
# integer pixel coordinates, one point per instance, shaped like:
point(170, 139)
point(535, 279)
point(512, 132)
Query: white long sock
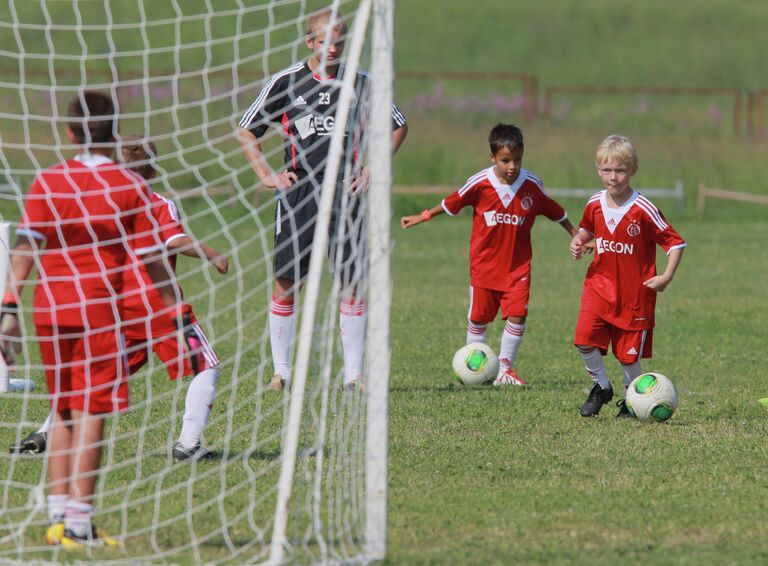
point(631, 371)
point(511, 339)
point(282, 326)
point(57, 508)
point(78, 518)
point(198, 405)
point(477, 333)
point(352, 320)
point(593, 361)
point(45, 427)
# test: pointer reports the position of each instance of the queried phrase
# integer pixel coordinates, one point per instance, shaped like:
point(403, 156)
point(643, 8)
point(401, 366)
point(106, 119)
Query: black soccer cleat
point(32, 444)
point(623, 410)
point(597, 398)
point(181, 453)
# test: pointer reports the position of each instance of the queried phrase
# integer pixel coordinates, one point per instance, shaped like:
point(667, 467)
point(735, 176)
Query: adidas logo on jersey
point(632, 351)
point(299, 101)
point(611, 222)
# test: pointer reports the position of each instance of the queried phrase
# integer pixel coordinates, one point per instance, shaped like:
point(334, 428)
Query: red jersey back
point(503, 215)
point(625, 257)
point(87, 213)
point(141, 300)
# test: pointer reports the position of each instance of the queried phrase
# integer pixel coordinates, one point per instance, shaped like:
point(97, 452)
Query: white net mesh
point(182, 74)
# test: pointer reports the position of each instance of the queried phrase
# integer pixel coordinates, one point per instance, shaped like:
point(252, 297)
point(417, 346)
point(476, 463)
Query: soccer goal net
point(296, 474)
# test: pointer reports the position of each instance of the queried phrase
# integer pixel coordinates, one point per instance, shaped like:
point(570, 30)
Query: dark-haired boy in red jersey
point(88, 214)
point(154, 329)
point(506, 200)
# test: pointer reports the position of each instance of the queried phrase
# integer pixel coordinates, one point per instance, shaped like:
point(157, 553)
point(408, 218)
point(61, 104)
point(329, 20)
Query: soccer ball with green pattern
point(474, 364)
point(652, 397)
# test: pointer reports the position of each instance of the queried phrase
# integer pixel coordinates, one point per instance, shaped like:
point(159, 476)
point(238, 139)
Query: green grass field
point(477, 475)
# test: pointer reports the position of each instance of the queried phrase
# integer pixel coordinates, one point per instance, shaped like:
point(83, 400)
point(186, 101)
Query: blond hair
point(322, 17)
point(618, 148)
point(139, 155)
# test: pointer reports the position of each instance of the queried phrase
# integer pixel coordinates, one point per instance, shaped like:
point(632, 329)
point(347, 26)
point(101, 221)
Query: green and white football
point(474, 364)
point(652, 397)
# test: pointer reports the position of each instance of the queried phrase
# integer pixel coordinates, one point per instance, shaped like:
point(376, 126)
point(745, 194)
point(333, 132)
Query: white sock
point(477, 333)
point(631, 371)
point(282, 325)
point(593, 361)
point(352, 320)
point(78, 518)
point(57, 508)
point(45, 427)
point(198, 405)
point(511, 339)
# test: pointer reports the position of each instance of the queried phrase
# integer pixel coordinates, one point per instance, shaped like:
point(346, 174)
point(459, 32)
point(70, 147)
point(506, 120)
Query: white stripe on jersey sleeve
point(30, 234)
point(595, 197)
point(539, 183)
point(174, 237)
point(473, 181)
point(172, 209)
point(259, 102)
point(653, 213)
point(397, 116)
point(445, 208)
point(677, 247)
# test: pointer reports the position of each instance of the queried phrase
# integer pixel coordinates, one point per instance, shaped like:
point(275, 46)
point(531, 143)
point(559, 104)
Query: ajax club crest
point(526, 202)
point(633, 229)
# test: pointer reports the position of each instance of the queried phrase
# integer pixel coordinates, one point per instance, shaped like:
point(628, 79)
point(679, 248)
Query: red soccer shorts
point(628, 346)
point(485, 303)
point(166, 345)
point(85, 370)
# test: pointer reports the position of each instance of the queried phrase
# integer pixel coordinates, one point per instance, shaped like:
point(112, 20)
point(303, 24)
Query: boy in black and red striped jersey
point(149, 326)
point(619, 295)
point(302, 101)
point(506, 199)
point(89, 214)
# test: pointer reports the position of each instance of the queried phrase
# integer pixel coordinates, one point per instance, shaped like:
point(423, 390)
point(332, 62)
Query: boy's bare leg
point(85, 460)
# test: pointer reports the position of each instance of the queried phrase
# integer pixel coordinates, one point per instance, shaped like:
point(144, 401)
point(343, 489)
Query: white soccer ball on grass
point(475, 363)
point(652, 397)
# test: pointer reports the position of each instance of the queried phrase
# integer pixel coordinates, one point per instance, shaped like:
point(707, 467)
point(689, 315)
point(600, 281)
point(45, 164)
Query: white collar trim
point(506, 192)
point(92, 160)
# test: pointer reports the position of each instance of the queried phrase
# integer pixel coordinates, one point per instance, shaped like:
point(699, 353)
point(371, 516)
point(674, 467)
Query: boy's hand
point(362, 183)
point(280, 181)
point(408, 221)
point(657, 283)
point(10, 332)
point(190, 342)
point(221, 263)
point(589, 247)
point(577, 247)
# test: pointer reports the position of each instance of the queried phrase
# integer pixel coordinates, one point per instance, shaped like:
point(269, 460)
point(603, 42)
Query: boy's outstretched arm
point(661, 282)
point(578, 243)
point(191, 248)
point(424, 216)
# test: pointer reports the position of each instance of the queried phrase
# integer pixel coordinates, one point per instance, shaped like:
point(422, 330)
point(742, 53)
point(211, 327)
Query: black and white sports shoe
point(181, 453)
point(597, 398)
point(623, 410)
point(32, 444)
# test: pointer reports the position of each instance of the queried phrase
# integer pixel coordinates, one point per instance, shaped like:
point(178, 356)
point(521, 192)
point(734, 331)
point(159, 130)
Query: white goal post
point(296, 476)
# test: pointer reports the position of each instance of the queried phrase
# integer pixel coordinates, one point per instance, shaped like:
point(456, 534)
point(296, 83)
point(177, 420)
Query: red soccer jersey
point(503, 215)
point(87, 213)
point(625, 257)
point(141, 301)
